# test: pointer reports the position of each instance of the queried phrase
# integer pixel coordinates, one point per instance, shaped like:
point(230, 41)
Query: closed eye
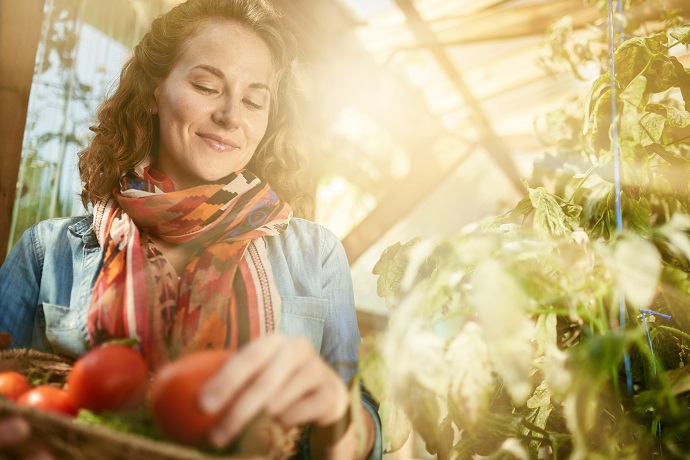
point(204, 89)
point(252, 105)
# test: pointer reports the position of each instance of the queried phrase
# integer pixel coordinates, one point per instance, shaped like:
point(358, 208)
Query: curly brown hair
point(126, 132)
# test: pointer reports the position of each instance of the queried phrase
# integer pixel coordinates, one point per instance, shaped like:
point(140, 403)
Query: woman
point(189, 247)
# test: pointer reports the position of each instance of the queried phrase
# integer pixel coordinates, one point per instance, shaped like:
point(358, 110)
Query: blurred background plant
point(507, 339)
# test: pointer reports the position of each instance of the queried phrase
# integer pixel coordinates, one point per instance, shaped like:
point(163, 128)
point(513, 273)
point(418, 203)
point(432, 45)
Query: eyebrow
point(218, 73)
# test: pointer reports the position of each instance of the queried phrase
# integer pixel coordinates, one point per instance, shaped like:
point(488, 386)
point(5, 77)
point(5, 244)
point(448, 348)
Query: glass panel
point(81, 51)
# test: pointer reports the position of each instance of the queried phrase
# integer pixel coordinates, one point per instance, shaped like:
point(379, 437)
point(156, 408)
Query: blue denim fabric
point(46, 282)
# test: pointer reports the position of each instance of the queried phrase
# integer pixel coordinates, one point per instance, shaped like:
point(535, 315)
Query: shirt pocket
point(304, 316)
point(63, 331)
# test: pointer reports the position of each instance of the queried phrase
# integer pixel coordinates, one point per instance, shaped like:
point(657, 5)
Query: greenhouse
point(494, 193)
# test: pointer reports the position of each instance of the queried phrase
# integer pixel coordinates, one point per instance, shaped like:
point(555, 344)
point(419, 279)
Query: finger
point(13, 431)
point(296, 389)
point(289, 363)
point(328, 394)
point(323, 406)
point(237, 372)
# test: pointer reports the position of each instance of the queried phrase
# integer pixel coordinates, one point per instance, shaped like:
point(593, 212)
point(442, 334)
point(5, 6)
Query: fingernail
point(208, 401)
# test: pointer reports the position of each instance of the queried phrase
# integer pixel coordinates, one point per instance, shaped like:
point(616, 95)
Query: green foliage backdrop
point(505, 340)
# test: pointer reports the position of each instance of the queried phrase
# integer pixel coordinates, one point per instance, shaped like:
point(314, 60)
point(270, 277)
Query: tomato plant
point(173, 401)
point(109, 378)
point(13, 385)
point(49, 399)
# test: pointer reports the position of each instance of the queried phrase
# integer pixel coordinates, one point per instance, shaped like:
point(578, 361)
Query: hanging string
point(617, 172)
point(645, 314)
point(613, 25)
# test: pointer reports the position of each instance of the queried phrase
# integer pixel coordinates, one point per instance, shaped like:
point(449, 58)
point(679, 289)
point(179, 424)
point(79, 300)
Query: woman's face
point(213, 106)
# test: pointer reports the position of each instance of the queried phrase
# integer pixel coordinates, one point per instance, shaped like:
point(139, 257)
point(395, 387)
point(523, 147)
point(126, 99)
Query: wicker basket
point(70, 440)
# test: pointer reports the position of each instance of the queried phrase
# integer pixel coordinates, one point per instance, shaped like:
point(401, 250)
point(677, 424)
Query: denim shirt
point(47, 278)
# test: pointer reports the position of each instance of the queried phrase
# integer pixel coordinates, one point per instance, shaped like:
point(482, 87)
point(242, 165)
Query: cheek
point(180, 109)
point(258, 129)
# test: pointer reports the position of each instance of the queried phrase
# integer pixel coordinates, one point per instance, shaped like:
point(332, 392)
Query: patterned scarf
point(226, 295)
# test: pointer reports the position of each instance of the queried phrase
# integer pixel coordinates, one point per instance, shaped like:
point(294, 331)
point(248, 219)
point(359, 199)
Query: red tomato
point(173, 402)
point(109, 378)
point(13, 385)
point(49, 399)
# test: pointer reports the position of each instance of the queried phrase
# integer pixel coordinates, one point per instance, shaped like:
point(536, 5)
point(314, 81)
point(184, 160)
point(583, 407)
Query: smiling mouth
point(218, 143)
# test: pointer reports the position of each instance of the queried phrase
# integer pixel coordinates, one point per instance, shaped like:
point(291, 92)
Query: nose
point(228, 113)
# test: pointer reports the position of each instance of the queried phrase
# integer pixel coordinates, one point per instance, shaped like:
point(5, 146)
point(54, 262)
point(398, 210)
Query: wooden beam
point(398, 202)
point(529, 20)
point(20, 31)
point(497, 149)
point(512, 22)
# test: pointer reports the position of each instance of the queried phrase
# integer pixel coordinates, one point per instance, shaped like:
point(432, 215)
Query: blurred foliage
point(505, 339)
point(39, 185)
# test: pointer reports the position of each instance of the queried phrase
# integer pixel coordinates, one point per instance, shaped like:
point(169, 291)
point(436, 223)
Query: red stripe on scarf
point(217, 300)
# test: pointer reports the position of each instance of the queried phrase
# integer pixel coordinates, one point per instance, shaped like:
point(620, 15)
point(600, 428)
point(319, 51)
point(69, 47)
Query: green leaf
point(501, 305)
point(511, 449)
point(630, 59)
point(635, 93)
point(636, 214)
point(676, 232)
point(472, 380)
point(540, 403)
point(684, 85)
point(425, 409)
point(136, 422)
point(677, 118)
point(599, 85)
point(679, 379)
point(540, 398)
point(396, 426)
point(663, 73)
point(391, 268)
point(549, 215)
point(597, 200)
point(675, 292)
point(682, 34)
point(523, 208)
point(598, 134)
point(546, 332)
point(445, 449)
point(412, 348)
point(608, 349)
point(372, 368)
point(633, 166)
point(638, 265)
point(657, 43)
point(653, 126)
point(630, 130)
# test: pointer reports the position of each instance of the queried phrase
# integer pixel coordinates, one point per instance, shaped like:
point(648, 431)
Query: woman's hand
point(281, 377)
point(14, 438)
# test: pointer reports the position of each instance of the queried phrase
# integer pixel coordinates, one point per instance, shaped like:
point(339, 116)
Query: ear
point(153, 107)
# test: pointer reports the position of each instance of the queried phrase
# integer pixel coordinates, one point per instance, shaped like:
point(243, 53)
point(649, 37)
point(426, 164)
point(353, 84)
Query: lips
point(218, 143)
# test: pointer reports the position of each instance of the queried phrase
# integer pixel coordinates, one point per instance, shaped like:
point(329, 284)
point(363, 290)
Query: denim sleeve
point(373, 408)
point(20, 279)
point(341, 332)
